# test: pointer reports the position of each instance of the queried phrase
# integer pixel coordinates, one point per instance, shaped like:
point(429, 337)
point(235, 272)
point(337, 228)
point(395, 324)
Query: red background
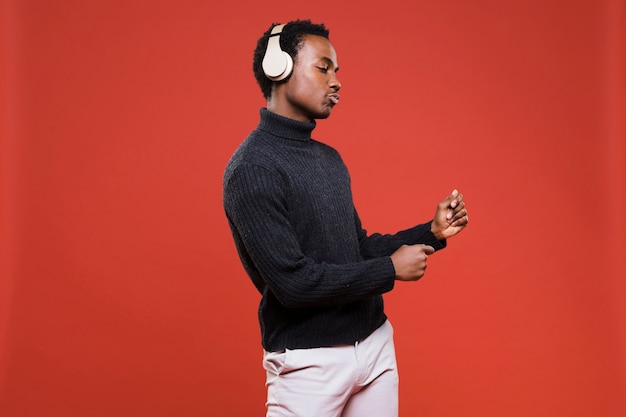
point(121, 292)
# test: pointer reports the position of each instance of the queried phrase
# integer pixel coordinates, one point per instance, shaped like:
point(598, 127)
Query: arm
point(377, 245)
point(256, 206)
point(410, 259)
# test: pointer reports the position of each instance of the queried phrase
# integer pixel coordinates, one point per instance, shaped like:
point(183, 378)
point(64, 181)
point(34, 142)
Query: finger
point(429, 250)
point(453, 213)
point(457, 198)
point(458, 215)
point(452, 198)
point(463, 221)
point(459, 208)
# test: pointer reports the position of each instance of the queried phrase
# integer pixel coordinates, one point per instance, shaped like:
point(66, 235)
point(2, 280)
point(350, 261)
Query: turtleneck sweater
point(288, 202)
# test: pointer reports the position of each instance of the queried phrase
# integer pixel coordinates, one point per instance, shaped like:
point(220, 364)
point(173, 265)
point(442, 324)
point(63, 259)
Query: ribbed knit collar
point(285, 127)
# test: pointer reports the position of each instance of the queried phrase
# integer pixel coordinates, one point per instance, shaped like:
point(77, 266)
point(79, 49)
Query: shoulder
point(253, 165)
point(327, 150)
point(254, 150)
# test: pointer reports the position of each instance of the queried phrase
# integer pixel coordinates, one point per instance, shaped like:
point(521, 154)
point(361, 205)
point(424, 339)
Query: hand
point(409, 261)
point(450, 217)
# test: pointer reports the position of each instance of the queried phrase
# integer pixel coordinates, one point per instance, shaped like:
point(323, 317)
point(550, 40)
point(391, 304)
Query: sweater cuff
point(391, 273)
point(431, 240)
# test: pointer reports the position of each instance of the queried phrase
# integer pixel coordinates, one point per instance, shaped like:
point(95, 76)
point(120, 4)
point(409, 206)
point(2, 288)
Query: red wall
point(121, 292)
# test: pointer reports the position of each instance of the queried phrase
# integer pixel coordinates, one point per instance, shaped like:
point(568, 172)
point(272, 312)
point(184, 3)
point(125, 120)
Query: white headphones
point(277, 64)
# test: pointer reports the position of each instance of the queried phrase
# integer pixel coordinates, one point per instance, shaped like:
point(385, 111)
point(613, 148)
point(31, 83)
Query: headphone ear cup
point(277, 64)
point(288, 67)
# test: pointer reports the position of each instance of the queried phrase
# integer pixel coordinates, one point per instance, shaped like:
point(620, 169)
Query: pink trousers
point(357, 380)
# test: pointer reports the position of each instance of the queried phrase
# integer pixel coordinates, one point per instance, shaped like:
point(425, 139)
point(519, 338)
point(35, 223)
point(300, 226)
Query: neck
point(278, 105)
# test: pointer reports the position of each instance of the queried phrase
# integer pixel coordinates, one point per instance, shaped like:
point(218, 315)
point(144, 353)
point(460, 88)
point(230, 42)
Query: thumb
point(429, 250)
point(450, 199)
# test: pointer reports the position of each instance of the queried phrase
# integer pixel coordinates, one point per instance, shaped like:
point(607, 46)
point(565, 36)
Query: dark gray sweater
point(289, 205)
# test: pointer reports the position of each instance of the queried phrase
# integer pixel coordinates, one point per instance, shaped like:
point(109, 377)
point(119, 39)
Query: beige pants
point(357, 380)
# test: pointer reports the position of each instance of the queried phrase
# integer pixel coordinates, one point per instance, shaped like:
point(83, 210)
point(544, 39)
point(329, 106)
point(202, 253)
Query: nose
point(334, 83)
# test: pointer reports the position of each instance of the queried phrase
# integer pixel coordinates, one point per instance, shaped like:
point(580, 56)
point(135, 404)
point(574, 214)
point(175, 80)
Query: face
point(313, 88)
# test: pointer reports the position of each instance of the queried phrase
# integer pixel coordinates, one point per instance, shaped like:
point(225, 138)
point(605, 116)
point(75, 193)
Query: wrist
point(437, 232)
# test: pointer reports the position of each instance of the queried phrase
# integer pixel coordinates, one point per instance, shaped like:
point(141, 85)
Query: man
point(328, 344)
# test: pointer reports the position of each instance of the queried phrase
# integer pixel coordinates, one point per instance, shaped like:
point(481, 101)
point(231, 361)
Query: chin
point(323, 115)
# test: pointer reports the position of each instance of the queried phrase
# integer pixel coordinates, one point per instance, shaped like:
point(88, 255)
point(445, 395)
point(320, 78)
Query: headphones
point(277, 64)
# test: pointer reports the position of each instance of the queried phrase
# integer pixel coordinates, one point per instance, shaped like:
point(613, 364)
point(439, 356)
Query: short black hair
point(290, 42)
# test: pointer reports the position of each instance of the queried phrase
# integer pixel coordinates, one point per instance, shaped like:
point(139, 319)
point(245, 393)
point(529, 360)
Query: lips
point(334, 98)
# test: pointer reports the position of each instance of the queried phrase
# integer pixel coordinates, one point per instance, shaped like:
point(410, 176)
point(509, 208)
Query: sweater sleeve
point(377, 245)
point(255, 204)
